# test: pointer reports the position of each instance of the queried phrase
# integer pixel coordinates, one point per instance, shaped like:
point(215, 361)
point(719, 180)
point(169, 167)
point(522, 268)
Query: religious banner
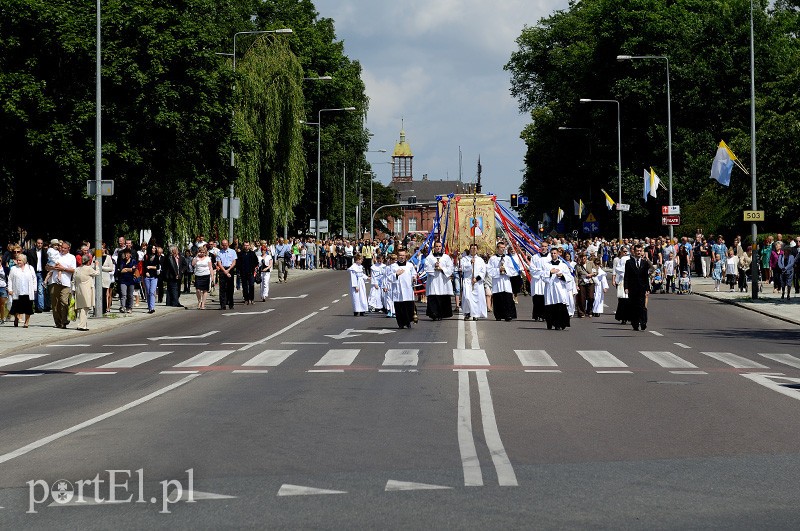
point(468, 219)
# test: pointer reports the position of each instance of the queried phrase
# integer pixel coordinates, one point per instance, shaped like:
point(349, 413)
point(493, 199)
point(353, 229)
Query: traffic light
point(514, 202)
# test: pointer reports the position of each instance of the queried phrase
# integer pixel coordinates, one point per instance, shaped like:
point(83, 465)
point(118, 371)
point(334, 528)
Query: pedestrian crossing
point(339, 360)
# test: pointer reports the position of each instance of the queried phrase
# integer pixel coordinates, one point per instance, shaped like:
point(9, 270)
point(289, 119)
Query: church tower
point(402, 161)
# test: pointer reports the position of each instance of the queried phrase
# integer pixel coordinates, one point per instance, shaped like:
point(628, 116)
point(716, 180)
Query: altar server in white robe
point(538, 271)
point(358, 291)
point(557, 292)
point(500, 268)
point(439, 288)
point(618, 280)
point(387, 285)
point(473, 299)
point(403, 274)
point(600, 288)
point(376, 283)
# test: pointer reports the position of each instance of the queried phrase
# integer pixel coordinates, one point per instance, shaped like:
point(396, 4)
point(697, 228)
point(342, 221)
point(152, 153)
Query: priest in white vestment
point(439, 287)
point(473, 298)
point(557, 292)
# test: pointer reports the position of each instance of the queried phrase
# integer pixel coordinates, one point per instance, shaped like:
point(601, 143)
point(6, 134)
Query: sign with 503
point(754, 215)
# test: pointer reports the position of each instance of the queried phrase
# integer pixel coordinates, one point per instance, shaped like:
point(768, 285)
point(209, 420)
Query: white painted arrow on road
point(298, 490)
point(393, 485)
point(184, 337)
point(303, 296)
point(248, 313)
point(350, 332)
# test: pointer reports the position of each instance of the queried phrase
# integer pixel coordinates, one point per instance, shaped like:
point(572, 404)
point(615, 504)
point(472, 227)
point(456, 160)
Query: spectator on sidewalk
point(37, 259)
point(22, 289)
point(127, 270)
point(175, 268)
point(84, 290)
point(63, 270)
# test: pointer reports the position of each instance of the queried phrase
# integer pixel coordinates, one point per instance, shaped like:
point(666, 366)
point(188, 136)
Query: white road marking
point(688, 372)
point(659, 334)
point(473, 477)
point(338, 356)
point(325, 370)
point(401, 357)
point(601, 358)
point(304, 342)
point(786, 359)
point(19, 358)
point(167, 338)
point(195, 495)
point(398, 370)
point(348, 333)
point(182, 344)
point(205, 358)
point(232, 344)
point(269, 358)
point(473, 328)
point(469, 357)
point(179, 372)
point(303, 296)
point(71, 361)
point(249, 313)
point(461, 342)
point(250, 371)
point(298, 490)
point(128, 345)
point(737, 362)
point(505, 472)
point(279, 332)
point(344, 295)
point(94, 373)
point(393, 485)
point(21, 375)
point(614, 372)
point(682, 345)
point(363, 342)
point(422, 342)
point(668, 360)
point(46, 440)
point(73, 345)
point(535, 358)
point(335, 301)
point(542, 370)
point(323, 308)
point(133, 361)
point(767, 381)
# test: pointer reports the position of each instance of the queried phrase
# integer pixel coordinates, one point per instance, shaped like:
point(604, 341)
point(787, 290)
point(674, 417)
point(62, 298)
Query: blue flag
point(723, 164)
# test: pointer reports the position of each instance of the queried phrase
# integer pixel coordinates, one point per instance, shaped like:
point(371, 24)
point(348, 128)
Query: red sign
point(670, 220)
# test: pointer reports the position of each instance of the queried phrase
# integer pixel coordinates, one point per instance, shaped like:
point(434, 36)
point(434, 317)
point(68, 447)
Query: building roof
point(402, 148)
point(427, 190)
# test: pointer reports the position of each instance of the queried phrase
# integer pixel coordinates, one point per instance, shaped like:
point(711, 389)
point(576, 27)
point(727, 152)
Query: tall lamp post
point(669, 118)
point(619, 157)
point(98, 175)
point(754, 229)
point(319, 156)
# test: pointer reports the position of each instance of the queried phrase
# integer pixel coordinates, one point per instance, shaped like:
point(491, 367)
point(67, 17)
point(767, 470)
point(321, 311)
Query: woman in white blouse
point(202, 276)
point(22, 289)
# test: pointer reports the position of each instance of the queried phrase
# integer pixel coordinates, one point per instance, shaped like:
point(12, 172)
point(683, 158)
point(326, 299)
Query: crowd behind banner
point(57, 276)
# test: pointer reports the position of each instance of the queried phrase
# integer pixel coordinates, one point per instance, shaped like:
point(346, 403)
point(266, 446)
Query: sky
point(435, 68)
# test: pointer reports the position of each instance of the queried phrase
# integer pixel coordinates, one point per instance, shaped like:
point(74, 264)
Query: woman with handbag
point(22, 289)
point(84, 290)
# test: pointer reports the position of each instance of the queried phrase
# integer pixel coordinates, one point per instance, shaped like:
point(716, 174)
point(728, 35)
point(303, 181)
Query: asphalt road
point(306, 417)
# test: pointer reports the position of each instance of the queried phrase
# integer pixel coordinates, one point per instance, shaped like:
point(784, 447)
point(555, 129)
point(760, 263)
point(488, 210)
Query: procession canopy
point(467, 219)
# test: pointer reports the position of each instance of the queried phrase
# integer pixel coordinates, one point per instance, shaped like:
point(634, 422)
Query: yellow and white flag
point(560, 215)
point(609, 202)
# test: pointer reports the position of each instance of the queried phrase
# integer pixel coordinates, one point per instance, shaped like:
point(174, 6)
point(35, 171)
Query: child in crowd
point(716, 272)
point(685, 285)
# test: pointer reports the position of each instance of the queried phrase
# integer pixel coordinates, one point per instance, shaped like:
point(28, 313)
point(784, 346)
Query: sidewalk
point(768, 303)
point(42, 330)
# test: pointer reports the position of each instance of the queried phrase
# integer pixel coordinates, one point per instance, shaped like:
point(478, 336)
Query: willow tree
point(270, 159)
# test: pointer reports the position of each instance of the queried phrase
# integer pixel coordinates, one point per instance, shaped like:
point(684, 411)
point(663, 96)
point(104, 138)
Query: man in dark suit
point(174, 269)
point(637, 286)
point(37, 259)
point(247, 264)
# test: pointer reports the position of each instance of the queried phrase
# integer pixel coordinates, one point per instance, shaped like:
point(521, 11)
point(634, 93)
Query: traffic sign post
point(106, 188)
point(754, 215)
point(591, 227)
point(670, 220)
point(522, 200)
point(673, 210)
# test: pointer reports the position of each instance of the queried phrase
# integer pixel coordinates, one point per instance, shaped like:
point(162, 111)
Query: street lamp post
point(98, 175)
point(319, 157)
point(754, 229)
point(619, 156)
point(669, 119)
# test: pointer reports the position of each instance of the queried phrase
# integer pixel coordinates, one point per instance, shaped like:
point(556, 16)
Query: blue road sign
point(591, 227)
point(522, 200)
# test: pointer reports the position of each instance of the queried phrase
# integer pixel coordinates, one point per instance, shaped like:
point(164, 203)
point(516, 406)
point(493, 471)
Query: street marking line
point(688, 372)
point(305, 343)
point(182, 344)
point(133, 361)
point(167, 338)
point(682, 345)
point(393, 485)
point(668, 360)
point(94, 373)
point(786, 359)
point(334, 302)
point(205, 358)
point(461, 342)
point(737, 362)
point(298, 490)
point(473, 328)
point(46, 440)
point(542, 370)
point(473, 476)
point(535, 358)
point(502, 464)
point(325, 370)
point(344, 295)
point(614, 372)
point(73, 345)
point(405, 357)
point(180, 372)
point(19, 358)
point(767, 381)
point(601, 358)
point(398, 370)
point(363, 342)
point(323, 308)
point(128, 345)
point(268, 358)
point(22, 375)
point(659, 334)
point(250, 371)
point(469, 357)
point(263, 312)
point(422, 342)
point(279, 332)
point(338, 357)
point(71, 361)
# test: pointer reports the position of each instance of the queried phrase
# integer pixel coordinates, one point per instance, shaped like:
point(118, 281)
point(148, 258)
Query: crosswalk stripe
point(338, 356)
point(401, 356)
point(462, 356)
point(535, 358)
point(19, 358)
point(668, 360)
point(205, 358)
point(737, 362)
point(601, 358)
point(269, 358)
point(71, 361)
point(786, 359)
point(133, 361)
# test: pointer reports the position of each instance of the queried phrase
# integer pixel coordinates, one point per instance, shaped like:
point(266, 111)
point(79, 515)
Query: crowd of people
point(567, 277)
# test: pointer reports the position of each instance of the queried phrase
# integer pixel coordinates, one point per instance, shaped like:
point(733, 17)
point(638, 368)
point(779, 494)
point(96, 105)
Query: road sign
point(670, 220)
point(236, 207)
point(591, 227)
point(625, 207)
point(673, 210)
point(754, 215)
point(590, 218)
point(323, 225)
point(522, 199)
point(106, 188)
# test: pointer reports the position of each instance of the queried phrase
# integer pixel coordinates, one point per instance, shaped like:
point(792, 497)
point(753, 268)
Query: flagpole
point(754, 266)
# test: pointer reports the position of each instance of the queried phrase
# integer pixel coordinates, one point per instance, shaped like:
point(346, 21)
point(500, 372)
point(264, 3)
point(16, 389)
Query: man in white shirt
point(439, 288)
point(61, 287)
point(403, 274)
point(500, 269)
